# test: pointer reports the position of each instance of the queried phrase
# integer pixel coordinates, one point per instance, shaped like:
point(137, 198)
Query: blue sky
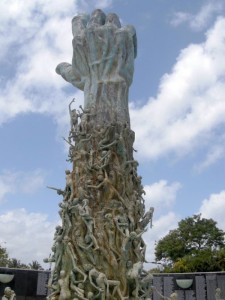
point(177, 109)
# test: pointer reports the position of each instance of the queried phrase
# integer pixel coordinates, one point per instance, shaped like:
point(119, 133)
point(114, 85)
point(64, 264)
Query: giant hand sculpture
point(102, 64)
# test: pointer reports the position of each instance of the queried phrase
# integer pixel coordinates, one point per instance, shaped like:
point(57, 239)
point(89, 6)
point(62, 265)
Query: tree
point(4, 258)
point(6, 261)
point(16, 263)
point(194, 246)
point(34, 265)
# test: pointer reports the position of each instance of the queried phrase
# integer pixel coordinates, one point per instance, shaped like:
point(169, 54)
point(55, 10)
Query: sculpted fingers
point(113, 20)
point(132, 32)
point(79, 23)
point(97, 19)
point(69, 74)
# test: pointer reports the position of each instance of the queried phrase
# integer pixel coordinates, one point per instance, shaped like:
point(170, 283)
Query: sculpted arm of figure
point(68, 142)
point(121, 198)
point(78, 270)
point(84, 111)
point(78, 292)
point(85, 247)
point(160, 295)
point(71, 104)
point(140, 234)
point(96, 186)
point(56, 289)
point(118, 226)
point(91, 273)
point(109, 145)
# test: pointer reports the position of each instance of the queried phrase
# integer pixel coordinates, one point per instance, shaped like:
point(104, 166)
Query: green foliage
point(34, 265)
point(16, 263)
point(4, 258)
point(5, 261)
point(197, 245)
point(154, 271)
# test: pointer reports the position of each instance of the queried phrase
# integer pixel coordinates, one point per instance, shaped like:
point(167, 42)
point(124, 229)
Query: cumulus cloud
point(12, 182)
point(31, 50)
point(180, 17)
point(85, 5)
point(42, 37)
point(200, 20)
point(214, 154)
point(213, 207)
point(189, 106)
point(161, 195)
point(26, 236)
point(160, 228)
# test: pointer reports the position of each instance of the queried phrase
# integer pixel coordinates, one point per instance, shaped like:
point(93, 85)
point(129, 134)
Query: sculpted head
point(108, 216)
point(62, 273)
point(97, 18)
point(7, 291)
point(129, 264)
point(85, 201)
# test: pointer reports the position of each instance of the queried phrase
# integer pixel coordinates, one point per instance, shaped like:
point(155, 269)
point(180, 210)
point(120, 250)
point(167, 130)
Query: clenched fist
point(103, 61)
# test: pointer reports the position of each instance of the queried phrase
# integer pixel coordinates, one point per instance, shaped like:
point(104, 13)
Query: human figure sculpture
point(68, 193)
point(57, 250)
point(65, 216)
point(128, 243)
point(218, 294)
point(133, 276)
point(173, 296)
point(146, 285)
point(84, 212)
point(99, 281)
point(74, 115)
point(62, 287)
point(110, 231)
point(102, 284)
point(147, 218)
point(9, 294)
point(106, 185)
point(99, 251)
point(121, 222)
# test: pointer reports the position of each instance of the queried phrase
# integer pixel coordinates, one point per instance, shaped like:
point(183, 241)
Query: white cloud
point(179, 18)
point(214, 154)
point(190, 104)
point(86, 5)
point(213, 207)
point(4, 190)
point(26, 236)
point(12, 182)
point(200, 20)
point(161, 195)
point(160, 228)
point(42, 39)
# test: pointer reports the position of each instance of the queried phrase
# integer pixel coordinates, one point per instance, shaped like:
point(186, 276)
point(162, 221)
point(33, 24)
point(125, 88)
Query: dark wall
point(27, 284)
point(31, 284)
point(203, 287)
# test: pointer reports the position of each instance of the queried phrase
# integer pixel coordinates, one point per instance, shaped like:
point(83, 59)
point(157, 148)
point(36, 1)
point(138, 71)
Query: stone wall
point(203, 285)
point(27, 284)
point(31, 284)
